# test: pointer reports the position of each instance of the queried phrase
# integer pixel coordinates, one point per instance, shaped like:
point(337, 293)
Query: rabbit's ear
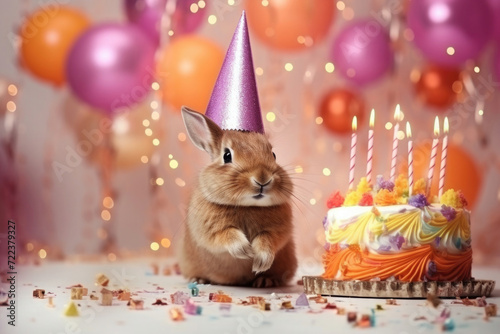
point(204, 133)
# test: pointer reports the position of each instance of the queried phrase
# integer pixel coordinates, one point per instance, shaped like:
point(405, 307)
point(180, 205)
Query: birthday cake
point(382, 234)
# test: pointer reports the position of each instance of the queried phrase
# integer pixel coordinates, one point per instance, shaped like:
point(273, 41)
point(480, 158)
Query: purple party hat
point(234, 104)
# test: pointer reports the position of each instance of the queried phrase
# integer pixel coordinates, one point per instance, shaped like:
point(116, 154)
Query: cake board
point(397, 289)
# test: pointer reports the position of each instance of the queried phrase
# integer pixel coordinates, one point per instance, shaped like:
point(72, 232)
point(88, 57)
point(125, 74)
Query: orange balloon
point(290, 24)
point(462, 173)
point(187, 70)
point(438, 86)
point(47, 37)
point(338, 108)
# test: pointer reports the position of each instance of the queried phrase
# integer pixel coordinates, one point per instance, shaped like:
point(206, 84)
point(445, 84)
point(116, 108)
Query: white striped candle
point(395, 142)
point(410, 159)
point(444, 153)
point(353, 152)
point(432, 162)
point(369, 160)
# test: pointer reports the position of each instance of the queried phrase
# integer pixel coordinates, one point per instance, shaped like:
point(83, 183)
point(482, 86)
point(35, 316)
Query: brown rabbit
point(239, 222)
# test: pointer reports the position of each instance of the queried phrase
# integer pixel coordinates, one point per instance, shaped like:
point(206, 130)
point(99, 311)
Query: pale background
point(63, 217)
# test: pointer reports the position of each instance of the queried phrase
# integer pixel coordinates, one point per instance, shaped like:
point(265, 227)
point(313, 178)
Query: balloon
point(147, 15)
point(47, 36)
point(184, 21)
point(187, 70)
point(495, 9)
point(496, 63)
point(337, 109)
point(462, 173)
point(456, 27)
point(435, 86)
point(126, 132)
point(290, 25)
point(111, 66)
point(362, 52)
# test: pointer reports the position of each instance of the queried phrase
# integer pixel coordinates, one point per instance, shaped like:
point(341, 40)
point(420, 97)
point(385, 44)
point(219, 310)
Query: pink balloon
point(111, 66)
point(464, 25)
point(147, 15)
point(362, 52)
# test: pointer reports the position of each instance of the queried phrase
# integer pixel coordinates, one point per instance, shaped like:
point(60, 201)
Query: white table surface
point(34, 316)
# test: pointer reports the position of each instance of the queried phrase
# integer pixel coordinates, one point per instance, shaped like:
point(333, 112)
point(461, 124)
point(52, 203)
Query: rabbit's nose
point(262, 185)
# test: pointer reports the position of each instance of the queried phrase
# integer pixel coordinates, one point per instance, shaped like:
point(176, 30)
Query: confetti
point(351, 317)
point(191, 308)
point(221, 298)
point(179, 298)
point(287, 305)
point(106, 297)
point(102, 280)
point(159, 302)
point(39, 293)
point(302, 300)
point(71, 310)
point(136, 304)
point(176, 314)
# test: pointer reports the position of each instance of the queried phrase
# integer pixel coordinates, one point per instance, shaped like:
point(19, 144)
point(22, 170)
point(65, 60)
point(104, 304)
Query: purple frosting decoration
point(437, 241)
point(397, 241)
point(325, 223)
point(448, 212)
point(418, 201)
point(384, 248)
point(431, 270)
point(383, 184)
point(234, 104)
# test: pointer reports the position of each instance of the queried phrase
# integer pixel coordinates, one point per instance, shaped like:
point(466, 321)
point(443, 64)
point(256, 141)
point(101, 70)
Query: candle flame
point(408, 130)
point(372, 119)
point(436, 126)
point(397, 113)
point(446, 126)
point(354, 123)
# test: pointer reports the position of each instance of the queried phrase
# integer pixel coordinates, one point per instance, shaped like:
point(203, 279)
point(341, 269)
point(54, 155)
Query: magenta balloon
point(437, 25)
point(184, 21)
point(111, 66)
point(362, 52)
point(495, 9)
point(147, 15)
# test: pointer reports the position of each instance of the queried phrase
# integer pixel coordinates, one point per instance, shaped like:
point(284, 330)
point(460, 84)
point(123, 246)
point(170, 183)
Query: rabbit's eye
point(274, 155)
point(227, 156)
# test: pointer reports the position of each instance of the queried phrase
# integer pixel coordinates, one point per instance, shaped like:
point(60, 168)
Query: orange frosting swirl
point(385, 197)
point(411, 265)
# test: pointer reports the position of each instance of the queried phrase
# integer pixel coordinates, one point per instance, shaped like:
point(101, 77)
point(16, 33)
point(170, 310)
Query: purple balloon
point(495, 9)
point(362, 52)
point(147, 15)
point(464, 25)
point(111, 66)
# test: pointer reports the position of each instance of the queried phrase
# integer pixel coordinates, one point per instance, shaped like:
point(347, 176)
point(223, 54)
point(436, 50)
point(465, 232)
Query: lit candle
point(353, 152)
point(444, 153)
point(410, 159)
point(432, 162)
point(395, 142)
point(370, 148)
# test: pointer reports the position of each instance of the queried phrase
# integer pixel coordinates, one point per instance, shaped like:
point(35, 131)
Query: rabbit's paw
point(240, 247)
point(266, 282)
point(262, 261)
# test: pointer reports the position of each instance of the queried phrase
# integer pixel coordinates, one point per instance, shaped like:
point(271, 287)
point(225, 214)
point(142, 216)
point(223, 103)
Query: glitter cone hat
point(234, 104)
